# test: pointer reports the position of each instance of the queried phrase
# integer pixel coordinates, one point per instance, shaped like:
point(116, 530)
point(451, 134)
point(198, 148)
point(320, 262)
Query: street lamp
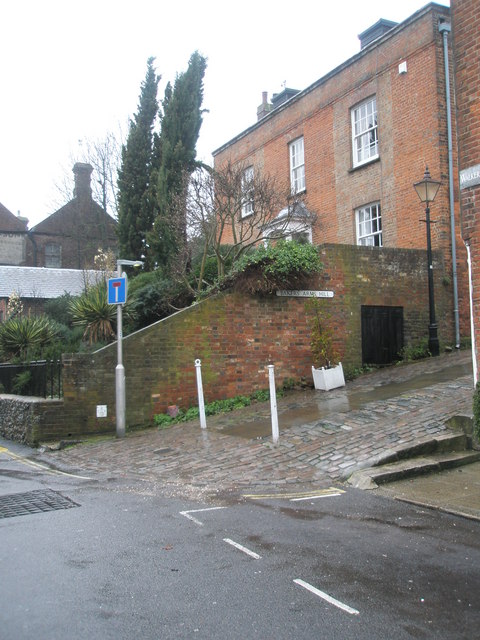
point(427, 190)
point(120, 369)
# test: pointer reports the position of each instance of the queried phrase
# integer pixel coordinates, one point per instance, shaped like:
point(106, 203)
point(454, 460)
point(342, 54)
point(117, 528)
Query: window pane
point(247, 191)
point(297, 166)
point(53, 255)
point(369, 225)
point(365, 131)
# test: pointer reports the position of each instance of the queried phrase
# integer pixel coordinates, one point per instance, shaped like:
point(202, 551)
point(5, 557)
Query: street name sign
point(305, 294)
point(470, 177)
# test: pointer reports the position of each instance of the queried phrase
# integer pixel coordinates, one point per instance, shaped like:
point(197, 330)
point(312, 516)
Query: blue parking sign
point(117, 290)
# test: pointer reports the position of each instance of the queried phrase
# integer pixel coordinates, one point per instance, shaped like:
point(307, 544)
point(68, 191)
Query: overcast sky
point(71, 71)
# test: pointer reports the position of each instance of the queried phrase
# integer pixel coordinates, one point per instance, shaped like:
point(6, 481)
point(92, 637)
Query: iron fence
point(41, 378)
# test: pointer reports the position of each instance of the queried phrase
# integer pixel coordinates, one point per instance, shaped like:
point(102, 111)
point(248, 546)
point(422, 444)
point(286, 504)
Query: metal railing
point(41, 378)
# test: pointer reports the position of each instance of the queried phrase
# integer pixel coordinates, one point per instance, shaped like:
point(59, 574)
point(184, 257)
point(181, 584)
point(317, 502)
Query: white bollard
point(273, 403)
point(201, 403)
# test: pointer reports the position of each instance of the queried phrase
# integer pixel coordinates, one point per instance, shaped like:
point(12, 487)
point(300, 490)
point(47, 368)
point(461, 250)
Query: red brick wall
point(466, 35)
point(237, 336)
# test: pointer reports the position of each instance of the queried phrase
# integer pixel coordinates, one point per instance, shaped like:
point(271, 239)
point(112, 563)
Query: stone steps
point(440, 453)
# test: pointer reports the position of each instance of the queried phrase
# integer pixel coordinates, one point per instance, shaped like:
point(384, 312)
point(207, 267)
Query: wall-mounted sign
point(305, 294)
point(470, 177)
point(101, 410)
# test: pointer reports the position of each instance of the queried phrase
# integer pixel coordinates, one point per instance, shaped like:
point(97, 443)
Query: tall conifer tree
point(136, 203)
point(182, 119)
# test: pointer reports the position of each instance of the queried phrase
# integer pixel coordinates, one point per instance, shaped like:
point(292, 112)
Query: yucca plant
point(26, 334)
point(92, 312)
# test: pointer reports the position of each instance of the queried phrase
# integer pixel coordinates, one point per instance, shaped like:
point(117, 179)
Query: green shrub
point(285, 265)
point(162, 420)
point(213, 408)
point(262, 395)
point(351, 372)
point(153, 297)
point(417, 351)
point(21, 337)
point(21, 382)
point(288, 384)
point(322, 348)
point(58, 309)
point(92, 312)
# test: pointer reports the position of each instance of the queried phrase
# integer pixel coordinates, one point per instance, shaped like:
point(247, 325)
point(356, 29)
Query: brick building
point(71, 237)
point(354, 143)
point(13, 238)
point(466, 29)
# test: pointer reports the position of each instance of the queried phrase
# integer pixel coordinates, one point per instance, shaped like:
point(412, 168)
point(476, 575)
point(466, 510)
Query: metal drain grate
point(23, 504)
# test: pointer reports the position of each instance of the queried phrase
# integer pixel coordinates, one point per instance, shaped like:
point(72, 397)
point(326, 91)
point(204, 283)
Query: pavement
point(326, 438)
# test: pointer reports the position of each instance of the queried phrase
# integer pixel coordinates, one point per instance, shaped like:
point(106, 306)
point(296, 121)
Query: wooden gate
point(382, 334)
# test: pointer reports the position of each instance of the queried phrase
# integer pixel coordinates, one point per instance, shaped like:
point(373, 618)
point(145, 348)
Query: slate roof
point(68, 218)
point(9, 222)
point(43, 283)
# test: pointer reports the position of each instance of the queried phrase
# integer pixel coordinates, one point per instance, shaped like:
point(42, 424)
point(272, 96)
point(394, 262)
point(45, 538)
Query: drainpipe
point(445, 29)
point(35, 248)
point(472, 326)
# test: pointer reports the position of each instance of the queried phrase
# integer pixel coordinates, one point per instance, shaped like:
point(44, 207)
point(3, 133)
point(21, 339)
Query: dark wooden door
point(382, 334)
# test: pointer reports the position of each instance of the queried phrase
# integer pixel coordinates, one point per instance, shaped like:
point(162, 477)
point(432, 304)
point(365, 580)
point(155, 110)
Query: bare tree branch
point(217, 202)
point(104, 155)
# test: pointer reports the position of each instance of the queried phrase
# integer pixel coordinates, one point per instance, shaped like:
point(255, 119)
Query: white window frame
point(248, 178)
point(368, 222)
point(297, 165)
point(365, 132)
point(299, 225)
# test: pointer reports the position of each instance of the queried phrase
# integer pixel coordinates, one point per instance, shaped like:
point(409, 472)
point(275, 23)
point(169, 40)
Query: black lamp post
point(427, 190)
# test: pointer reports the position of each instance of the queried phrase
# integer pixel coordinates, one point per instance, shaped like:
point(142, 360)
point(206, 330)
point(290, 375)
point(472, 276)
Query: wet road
point(123, 562)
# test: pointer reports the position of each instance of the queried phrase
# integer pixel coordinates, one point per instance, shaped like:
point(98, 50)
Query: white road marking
point(305, 495)
point(252, 554)
point(325, 495)
point(326, 597)
point(36, 465)
point(193, 519)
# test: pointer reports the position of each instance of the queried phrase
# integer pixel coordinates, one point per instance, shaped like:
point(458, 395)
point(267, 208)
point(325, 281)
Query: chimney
point(22, 219)
point(265, 108)
point(82, 172)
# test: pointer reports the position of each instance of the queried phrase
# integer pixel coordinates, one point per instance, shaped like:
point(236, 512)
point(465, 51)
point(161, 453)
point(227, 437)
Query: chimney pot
point(265, 107)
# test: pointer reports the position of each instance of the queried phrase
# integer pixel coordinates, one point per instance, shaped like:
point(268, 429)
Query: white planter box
point(327, 379)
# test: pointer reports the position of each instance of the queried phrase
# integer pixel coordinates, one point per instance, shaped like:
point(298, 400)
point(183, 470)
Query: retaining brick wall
point(236, 337)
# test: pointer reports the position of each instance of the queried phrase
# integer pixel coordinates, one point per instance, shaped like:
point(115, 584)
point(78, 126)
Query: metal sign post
point(117, 294)
point(120, 378)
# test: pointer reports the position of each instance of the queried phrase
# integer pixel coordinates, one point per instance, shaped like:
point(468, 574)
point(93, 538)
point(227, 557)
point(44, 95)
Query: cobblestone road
point(324, 437)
